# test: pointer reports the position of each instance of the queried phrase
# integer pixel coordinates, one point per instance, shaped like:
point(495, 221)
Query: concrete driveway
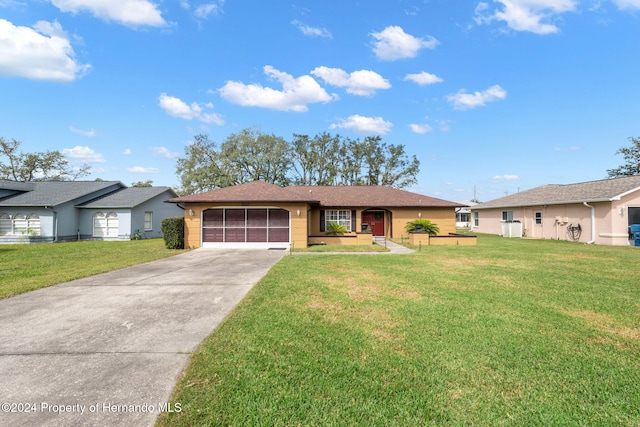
point(107, 350)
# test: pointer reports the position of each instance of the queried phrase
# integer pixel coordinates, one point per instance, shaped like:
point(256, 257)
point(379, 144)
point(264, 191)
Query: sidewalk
point(394, 249)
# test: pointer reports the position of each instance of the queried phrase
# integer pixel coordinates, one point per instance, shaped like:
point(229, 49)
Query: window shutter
point(322, 220)
point(353, 220)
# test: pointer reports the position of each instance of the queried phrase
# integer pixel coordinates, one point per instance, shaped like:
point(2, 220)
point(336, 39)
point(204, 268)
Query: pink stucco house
point(590, 212)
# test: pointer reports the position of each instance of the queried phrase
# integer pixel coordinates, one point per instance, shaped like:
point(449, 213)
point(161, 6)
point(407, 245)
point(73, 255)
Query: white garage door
point(245, 228)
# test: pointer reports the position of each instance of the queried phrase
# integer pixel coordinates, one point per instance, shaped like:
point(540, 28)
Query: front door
point(375, 219)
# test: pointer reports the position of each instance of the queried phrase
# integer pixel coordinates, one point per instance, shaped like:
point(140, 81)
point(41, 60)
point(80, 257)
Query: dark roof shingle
point(53, 193)
point(336, 196)
point(127, 197)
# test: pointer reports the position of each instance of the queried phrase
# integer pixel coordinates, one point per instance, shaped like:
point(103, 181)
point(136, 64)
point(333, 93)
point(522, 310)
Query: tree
point(147, 183)
point(48, 165)
point(324, 159)
point(244, 157)
point(314, 159)
point(202, 169)
point(632, 157)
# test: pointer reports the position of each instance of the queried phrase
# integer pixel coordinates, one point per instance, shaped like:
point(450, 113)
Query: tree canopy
point(631, 156)
point(48, 165)
point(323, 159)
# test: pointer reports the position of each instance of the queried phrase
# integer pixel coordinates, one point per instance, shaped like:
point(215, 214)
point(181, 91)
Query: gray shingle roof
point(128, 197)
point(560, 194)
point(53, 193)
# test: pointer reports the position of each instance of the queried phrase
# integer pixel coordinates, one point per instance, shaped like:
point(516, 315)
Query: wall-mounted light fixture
point(419, 214)
point(298, 212)
point(190, 212)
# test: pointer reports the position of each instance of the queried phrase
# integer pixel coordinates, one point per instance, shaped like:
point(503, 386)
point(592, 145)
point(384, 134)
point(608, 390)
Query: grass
point(25, 268)
point(343, 248)
point(509, 332)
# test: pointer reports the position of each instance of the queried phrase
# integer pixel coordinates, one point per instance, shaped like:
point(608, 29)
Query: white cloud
point(466, 101)
point(421, 129)
point(164, 152)
point(212, 8)
point(127, 151)
point(41, 53)
point(362, 82)
point(142, 169)
point(393, 43)
point(126, 12)
point(178, 108)
point(423, 78)
point(364, 125)
point(627, 4)
point(312, 31)
point(84, 154)
point(499, 178)
point(88, 133)
point(527, 15)
point(295, 95)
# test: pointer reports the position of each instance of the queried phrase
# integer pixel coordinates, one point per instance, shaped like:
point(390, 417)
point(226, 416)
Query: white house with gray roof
point(54, 211)
point(590, 212)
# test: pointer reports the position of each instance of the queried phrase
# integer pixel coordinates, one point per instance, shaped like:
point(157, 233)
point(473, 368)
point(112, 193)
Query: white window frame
point(341, 216)
point(6, 225)
point(507, 216)
point(476, 219)
point(538, 218)
point(148, 223)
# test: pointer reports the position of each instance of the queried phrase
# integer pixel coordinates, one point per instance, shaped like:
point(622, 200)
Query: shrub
point(173, 232)
point(427, 227)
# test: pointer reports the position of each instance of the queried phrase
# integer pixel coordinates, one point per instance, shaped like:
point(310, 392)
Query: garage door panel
point(234, 235)
point(231, 227)
point(213, 235)
point(256, 234)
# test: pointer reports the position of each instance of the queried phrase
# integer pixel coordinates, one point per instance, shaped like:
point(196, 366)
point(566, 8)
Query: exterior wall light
point(190, 212)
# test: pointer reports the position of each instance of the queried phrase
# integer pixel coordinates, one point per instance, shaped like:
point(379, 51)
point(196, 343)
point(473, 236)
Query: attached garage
point(238, 227)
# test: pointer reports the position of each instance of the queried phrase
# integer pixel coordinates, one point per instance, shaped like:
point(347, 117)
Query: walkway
point(394, 249)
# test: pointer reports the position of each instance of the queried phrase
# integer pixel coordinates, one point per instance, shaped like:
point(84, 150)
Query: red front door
point(375, 219)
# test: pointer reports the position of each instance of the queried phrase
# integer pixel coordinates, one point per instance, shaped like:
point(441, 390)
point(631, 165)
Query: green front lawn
point(343, 248)
point(509, 332)
point(24, 268)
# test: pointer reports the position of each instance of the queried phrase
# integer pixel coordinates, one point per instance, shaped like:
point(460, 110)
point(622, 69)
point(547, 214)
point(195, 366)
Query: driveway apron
point(107, 350)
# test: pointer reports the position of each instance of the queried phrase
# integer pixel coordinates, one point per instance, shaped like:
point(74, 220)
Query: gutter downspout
point(593, 223)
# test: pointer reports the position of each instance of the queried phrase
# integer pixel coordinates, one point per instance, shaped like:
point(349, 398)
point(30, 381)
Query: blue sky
point(496, 95)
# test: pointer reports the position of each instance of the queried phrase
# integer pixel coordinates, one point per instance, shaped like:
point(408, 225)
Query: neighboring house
point(463, 214)
point(590, 212)
point(71, 210)
point(262, 215)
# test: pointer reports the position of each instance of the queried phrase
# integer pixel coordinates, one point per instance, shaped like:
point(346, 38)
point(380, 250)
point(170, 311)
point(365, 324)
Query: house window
point(33, 225)
point(5, 224)
point(476, 219)
point(538, 218)
point(148, 221)
point(507, 215)
point(19, 224)
point(341, 217)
